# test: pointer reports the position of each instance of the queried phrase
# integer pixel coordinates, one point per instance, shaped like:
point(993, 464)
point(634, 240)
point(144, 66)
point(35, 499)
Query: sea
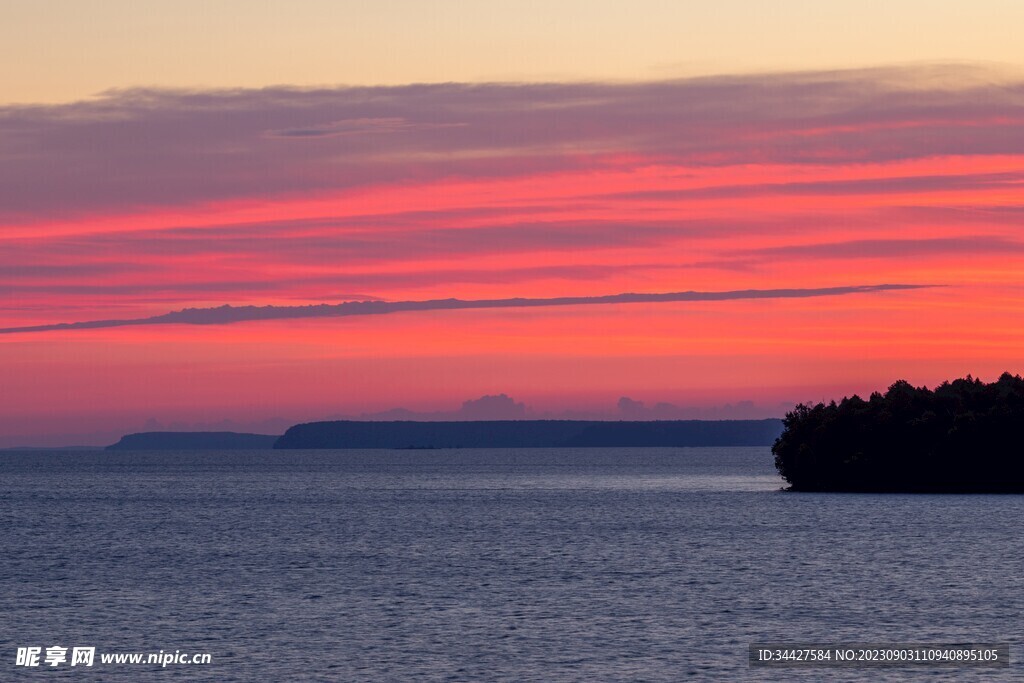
point(614, 564)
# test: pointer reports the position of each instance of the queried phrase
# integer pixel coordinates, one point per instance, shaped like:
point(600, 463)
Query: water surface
point(480, 565)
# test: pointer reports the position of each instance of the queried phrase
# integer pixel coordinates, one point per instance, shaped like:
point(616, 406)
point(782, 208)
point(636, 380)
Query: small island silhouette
point(192, 441)
point(966, 436)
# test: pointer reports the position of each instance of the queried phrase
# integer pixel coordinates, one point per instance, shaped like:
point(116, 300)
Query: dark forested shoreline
point(963, 436)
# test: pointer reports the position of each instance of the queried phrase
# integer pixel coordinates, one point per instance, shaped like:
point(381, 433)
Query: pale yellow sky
point(60, 50)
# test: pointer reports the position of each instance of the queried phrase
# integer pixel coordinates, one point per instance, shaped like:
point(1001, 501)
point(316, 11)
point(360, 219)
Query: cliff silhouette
point(965, 436)
point(529, 434)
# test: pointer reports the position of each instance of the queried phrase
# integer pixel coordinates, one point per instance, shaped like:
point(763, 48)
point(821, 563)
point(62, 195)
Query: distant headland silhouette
point(963, 436)
point(530, 434)
point(343, 434)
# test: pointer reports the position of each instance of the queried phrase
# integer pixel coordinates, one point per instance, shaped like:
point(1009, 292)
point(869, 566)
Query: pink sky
point(143, 202)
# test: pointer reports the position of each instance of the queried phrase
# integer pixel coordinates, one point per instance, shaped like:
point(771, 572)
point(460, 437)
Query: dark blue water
point(485, 565)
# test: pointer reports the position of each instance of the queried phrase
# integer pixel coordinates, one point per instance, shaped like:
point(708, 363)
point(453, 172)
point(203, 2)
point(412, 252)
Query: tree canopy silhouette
point(965, 436)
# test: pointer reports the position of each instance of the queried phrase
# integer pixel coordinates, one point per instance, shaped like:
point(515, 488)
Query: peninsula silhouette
point(530, 434)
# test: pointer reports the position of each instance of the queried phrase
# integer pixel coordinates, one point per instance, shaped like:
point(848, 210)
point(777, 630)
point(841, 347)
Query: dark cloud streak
point(231, 314)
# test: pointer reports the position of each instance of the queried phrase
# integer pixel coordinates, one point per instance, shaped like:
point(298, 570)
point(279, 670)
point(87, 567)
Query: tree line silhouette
point(965, 436)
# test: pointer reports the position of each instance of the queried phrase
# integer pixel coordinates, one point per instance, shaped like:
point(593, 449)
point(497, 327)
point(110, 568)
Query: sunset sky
point(159, 156)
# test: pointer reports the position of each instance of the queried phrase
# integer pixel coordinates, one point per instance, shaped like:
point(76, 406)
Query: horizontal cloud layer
point(152, 147)
point(144, 200)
